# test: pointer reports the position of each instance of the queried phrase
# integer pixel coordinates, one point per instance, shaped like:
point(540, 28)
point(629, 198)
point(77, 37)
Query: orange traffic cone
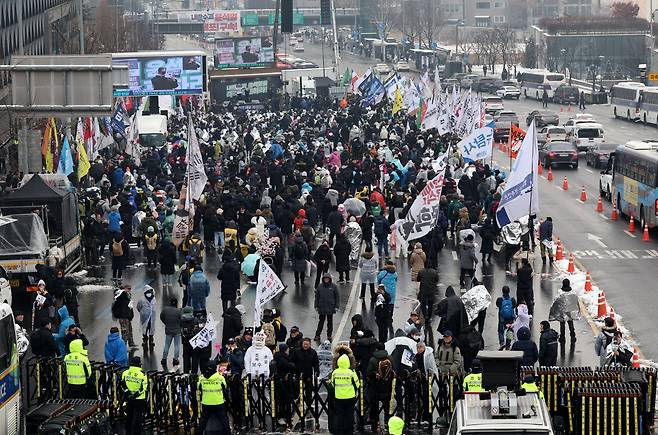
point(561, 109)
point(631, 225)
point(645, 236)
point(583, 194)
point(549, 177)
point(599, 205)
point(588, 283)
point(565, 183)
point(636, 358)
point(603, 309)
point(540, 169)
point(559, 253)
point(613, 215)
point(571, 268)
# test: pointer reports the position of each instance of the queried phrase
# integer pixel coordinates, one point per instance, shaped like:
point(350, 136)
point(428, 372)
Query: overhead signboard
point(249, 19)
point(297, 18)
point(244, 52)
point(162, 73)
point(222, 22)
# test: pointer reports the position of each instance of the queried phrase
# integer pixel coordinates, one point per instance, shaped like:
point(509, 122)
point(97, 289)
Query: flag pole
point(532, 177)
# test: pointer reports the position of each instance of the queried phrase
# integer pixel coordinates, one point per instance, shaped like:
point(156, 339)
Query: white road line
point(454, 255)
point(348, 308)
point(628, 233)
point(558, 187)
point(543, 177)
point(601, 215)
point(589, 170)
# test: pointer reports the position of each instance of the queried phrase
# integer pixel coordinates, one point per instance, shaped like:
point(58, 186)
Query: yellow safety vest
point(75, 363)
point(531, 387)
point(212, 389)
point(345, 382)
point(135, 380)
point(473, 383)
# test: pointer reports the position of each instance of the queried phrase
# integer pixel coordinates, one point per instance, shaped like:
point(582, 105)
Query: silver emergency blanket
point(476, 300)
point(565, 307)
point(353, 234)
point(355, 207)
point(512, 233)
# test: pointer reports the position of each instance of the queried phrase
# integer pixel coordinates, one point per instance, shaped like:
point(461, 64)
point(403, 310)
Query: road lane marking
point(589, 170)
point(601, 215)
point(454, 255)
point(558, 187)
point(630, 234)
point(348, 308)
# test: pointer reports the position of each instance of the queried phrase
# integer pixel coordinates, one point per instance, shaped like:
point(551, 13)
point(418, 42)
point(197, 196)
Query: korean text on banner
point(477, 145)
point(269, 285)
point(206, 335)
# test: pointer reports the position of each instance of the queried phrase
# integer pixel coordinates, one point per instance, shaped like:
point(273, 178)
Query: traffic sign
point(653, 77)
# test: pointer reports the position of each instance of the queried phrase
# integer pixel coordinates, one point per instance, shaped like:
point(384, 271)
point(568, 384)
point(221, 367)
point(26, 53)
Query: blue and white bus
point(625, 100)
point(10, 386)
point(635, 181)
point(649, 105)
point(534, 81)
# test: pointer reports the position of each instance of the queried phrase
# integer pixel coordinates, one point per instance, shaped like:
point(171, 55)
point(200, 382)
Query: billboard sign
point(222, 22)
point(174, 73)
point(244, 52)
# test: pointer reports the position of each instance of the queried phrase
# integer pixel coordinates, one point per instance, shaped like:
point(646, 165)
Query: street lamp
point(601, 65)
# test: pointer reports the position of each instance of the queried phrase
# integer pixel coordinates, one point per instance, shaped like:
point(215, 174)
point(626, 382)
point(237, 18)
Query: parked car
point(542, 118)
point(558, 153)
point(503, 123)
point(508, 92)
point(299, 48)
point(587, 135)
point(605, 180)
point(466, 83)
point(599, 154)
point(551, 133)
point(382, 68)
point(402, 66)
point(493, 104)
point(449, 84)
point(483, 84)
point(565, 94)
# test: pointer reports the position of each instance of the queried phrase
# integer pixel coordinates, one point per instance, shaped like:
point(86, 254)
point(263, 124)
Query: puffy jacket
point(602, 341)
point(115, 350)
point(448, 358)
point(114, 219)
point(389, 277)
point(548, 347)
point(369, 267)
point(229, 275)
point(429, 281)
point(171, 317)
point(198, 290)
point(527, 346)
point(66, 321)
point(467, 257)
point(326, 297)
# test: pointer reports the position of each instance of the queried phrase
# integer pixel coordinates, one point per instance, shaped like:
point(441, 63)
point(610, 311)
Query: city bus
point(533, 83)
point(635, 181)
point(10, 388)
point(649, 105)
point(625, 100)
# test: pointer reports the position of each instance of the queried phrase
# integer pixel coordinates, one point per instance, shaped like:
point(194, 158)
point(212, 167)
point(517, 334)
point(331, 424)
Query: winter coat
point(66, 321)
point(364, 349)
point(448, 358)
point(327, 298)
point(522, 319)
point(524, 278)
point(115, 350)
point(335, 222)
point(452, 312)
point(342, 253)
point(488, 235)
point(171, 317)
point(340, 350)
point(300, 255)
point(306, 362)
point(527, 346)
point(147, 316)
point(232, 324)
point(605, 337)
point(546, 230)
point(369, 265)
point(167, 258)
point(470, 342)
point(229, 275)
point(548, 344)
point(284, 364)
point(198, 290)
point(43, 343)
point(389, 277)
point(417, 261)
point(122, 308)
point(429, 282)
point(467, 257)
point(322, 253)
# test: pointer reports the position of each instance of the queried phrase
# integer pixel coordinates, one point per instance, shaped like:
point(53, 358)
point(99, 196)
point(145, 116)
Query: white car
point(493, 104)
point(402, 66)
point(382, 68)
point(508, 92)
point(298, 48)
point(552, 133)
point(292, 41)
point(573, 122)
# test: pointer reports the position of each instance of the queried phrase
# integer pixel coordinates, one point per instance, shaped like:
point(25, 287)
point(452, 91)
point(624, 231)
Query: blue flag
point(65, 159)
point(118, 119)
point(375, 92)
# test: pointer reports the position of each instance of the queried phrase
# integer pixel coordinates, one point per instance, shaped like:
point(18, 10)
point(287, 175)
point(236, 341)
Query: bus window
point(6, 342)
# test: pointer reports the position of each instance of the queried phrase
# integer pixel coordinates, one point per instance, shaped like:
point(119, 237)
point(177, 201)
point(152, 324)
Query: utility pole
point(81, 29)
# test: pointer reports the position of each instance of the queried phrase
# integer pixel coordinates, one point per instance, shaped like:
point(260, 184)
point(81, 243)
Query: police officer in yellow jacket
point(346, 383)
point(135, 384)
point(212, 391)
point(473, 381)
point(78, 371)
point(530, 386)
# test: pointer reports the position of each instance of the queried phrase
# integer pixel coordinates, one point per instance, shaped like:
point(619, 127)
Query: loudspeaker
point(286, 16)
point(325, 12)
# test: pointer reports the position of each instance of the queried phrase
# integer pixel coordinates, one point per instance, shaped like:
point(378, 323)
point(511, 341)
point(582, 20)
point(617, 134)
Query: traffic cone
point(613, 215)
point(603, 309)
point(631, 225)
point(540, 169)
point(588, 283)
point(612, 314)
point(549, 177)
point(583, 194)
point(636, 358)
point(599, 205)
point(559, 253)
point(561, 109)
point(571, 268)
point(565, 183)
point(645, 236)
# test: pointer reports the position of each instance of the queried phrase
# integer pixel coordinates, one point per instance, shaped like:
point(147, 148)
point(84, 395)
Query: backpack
point(300, 252)
point(187, 322)
point(280, 330)
point(507, 308)
point(152, 242)
point(270, 336)
point(117, 248)
point(380, 225)
point(195, 248)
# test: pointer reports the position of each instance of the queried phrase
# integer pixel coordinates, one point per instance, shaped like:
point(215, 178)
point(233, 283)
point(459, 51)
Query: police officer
point(78, 371)
point(530, 386)
point(345, 382)
point(134, 383)
point(212, 391)
point(473, 381)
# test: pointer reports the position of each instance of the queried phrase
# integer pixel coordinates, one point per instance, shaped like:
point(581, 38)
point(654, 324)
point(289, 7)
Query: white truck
point(152, 130)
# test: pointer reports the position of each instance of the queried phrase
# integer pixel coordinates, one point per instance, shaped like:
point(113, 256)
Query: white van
point(586, 135)
point(152, 130)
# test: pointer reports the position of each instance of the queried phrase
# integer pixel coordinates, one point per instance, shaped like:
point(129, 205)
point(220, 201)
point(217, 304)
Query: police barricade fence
point(252, 403)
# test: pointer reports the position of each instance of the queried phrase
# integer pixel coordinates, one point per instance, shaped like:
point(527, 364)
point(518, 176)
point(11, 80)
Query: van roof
point(476, 414)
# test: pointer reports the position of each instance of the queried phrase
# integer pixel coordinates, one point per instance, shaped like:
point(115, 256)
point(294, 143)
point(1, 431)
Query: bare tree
point(430, 22)
point(408, 19)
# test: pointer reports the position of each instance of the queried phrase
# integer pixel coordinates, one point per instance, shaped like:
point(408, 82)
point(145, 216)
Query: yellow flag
point(83, 159)
point(45, 146)
point(397, 102)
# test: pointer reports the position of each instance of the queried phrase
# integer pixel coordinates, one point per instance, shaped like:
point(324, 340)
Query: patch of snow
point(95, 288)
